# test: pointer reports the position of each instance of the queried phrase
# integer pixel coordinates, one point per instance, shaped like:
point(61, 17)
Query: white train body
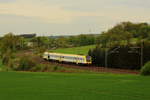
point(78, 59)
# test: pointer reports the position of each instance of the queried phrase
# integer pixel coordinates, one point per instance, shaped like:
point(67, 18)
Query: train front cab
point(88, 60)
point(45, 55)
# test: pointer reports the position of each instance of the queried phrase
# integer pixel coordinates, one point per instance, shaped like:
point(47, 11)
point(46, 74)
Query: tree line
point(11, 45)
point(126, 45)
point(125, 35)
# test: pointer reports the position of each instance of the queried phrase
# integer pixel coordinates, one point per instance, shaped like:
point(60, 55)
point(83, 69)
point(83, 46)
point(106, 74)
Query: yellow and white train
point(77, 59)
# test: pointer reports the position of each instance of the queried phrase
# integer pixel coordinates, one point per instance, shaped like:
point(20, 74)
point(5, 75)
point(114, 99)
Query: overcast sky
point(59, 17)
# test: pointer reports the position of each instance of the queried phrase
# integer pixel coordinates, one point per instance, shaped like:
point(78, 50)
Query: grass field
point(75, 50)
point(65, 86)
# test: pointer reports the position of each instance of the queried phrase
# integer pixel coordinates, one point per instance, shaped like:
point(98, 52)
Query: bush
point(124, 57)
point(98, 55)
point(40, 68)
point(55, 68)
point(145, 70)
point(6, 57)
point(36, 68)
point(26, 64)
point(5, 60)
point(11, 64)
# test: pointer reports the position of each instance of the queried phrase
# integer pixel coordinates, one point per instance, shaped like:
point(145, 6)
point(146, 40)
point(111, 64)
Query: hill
point(75, 50)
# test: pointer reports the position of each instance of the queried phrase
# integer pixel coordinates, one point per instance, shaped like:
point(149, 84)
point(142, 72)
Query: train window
point(67, 57)
point(80, 58)
point(51, 56)
point(88, 58)
point(54, 56)
point(45, 54)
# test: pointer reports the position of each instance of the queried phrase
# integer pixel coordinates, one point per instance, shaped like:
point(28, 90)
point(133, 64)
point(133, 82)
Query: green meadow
point(75, 50)
point(73, 86)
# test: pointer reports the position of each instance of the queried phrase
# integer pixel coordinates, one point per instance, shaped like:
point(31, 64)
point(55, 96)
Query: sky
point(69, 17)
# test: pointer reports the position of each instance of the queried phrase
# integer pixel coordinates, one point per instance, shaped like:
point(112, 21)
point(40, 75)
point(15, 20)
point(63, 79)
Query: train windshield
point(88, 58)
point(45, 54)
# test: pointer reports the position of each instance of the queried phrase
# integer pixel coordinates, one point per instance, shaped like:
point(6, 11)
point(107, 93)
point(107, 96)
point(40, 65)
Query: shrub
point(40, 49)
point(11, 64)
point(55, 68)
point(40, 67)
point(26, 64)
point(36, 68)
point(6, 57)
point(98, 55)
point(5, 60)
point(145, 70)
point(125, 57)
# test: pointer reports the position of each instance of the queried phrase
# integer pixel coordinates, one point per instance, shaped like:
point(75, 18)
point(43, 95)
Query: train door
point(49, 57)
point(88, 59)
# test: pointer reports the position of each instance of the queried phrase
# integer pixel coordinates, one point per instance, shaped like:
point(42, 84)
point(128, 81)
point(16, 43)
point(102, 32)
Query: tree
point(123, 33)
point(98, 55)
point(11, 42)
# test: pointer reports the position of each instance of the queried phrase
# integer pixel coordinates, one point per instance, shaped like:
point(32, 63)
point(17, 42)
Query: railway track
point(90, 67)
point(93, 68)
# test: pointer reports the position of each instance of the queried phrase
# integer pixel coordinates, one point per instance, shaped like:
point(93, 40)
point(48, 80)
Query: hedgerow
point(145, 70)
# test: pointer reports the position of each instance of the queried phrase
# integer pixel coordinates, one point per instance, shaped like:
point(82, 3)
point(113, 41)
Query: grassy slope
point(75, 50)
point(61, 86)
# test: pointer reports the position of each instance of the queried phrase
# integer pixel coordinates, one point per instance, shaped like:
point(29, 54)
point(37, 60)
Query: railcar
point(77, 59)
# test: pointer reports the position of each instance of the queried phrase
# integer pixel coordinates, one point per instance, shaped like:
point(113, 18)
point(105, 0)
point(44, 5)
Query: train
point(70, 58)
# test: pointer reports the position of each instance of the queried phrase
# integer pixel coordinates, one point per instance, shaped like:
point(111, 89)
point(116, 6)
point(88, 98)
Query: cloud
point(69, 16)
point(29, 9)
point(56, 11)
point(47, 13)
point(80, 25)
point(7, 1)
